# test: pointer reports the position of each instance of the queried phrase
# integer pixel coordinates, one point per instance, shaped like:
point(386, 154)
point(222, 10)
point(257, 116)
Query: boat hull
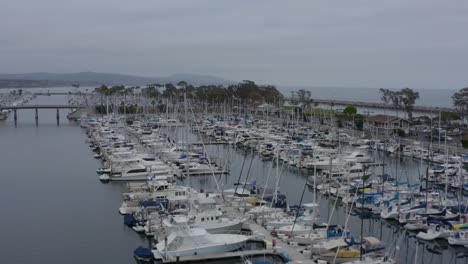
point(201, 250)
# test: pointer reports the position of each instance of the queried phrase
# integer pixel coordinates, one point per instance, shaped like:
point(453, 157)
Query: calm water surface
point(55, 210)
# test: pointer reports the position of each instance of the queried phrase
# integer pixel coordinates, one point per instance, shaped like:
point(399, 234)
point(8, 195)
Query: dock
point(281, 246)
point(201, 173)
point(210, 143)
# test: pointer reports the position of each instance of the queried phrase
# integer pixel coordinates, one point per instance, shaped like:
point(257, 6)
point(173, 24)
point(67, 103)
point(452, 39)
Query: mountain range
point(46, 79)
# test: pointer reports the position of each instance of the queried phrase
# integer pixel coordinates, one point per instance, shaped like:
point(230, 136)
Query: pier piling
point(58, 116)
point(37, 116)
point(15, 116)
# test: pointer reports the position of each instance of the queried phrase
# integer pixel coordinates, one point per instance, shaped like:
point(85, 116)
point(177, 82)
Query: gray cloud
point(418, 43)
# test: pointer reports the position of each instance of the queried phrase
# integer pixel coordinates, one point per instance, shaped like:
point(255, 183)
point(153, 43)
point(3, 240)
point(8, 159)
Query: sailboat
point(341, 250)
point(303, 224)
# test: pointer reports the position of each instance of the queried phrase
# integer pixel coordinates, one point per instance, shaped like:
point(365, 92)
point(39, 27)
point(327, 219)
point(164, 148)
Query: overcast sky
point(394, 43)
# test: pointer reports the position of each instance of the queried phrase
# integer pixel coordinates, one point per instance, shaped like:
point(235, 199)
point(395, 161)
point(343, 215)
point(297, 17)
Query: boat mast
point(446, 164)
point(275, 193)
point(298, 209)
point(314, 200)
point(362, 209)
point(186, 136)
point(167, 119)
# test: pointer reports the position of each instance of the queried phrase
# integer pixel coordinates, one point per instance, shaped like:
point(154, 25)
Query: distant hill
point(46, 79)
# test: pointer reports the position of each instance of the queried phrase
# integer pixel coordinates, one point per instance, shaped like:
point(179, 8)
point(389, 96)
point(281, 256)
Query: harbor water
point(55, 209)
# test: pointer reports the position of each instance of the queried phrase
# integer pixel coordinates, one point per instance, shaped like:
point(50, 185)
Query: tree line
point(249, 92)
point(403, 99)
point(246, 90)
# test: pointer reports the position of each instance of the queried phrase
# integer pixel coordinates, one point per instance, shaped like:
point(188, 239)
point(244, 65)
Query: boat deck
point(281, 246)
point(201, 173)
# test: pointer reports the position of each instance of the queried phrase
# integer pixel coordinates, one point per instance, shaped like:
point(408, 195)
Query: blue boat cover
point(374, 194)
point(281, 201)
point(285, 256)
point(458, 208)
point(142, 252)
point(419, 206)
point(261, 262)
point(150, 203)
point(335, 233)
point(252, 183)
point(129, 220)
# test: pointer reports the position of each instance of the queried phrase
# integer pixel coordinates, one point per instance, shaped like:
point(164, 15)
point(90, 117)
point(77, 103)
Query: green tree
point(408, 98)
point(151, 91)
point(350, 110)
point(359, 123)
point(448, 116)
point(403, 99)
point(182, 83)
point(339, 123)
point(102, 90)
point(170, 90)
point(269, 93)
point(303, 99)
point(116, 89)
point(392, 98)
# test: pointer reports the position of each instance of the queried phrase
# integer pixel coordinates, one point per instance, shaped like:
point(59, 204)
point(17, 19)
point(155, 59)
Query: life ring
point(437, 228)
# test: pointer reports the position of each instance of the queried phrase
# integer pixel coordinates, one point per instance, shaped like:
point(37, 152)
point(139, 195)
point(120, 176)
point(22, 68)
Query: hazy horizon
point(389, 44)
point(288, 87)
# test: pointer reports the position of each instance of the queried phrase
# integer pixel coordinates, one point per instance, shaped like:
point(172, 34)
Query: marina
point(173, 169)
point(300, 252)
point(222, 132)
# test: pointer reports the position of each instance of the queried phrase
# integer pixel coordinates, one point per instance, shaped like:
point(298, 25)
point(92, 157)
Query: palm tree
point(182, 83)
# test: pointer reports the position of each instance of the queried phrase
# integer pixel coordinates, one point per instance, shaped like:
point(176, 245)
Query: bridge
point(16, 107)
point(37, 107)
point(58, 93)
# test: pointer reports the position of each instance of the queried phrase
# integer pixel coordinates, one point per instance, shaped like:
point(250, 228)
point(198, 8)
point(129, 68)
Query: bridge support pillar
point(15, 116)
point(58, 116)
point(37, 116)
